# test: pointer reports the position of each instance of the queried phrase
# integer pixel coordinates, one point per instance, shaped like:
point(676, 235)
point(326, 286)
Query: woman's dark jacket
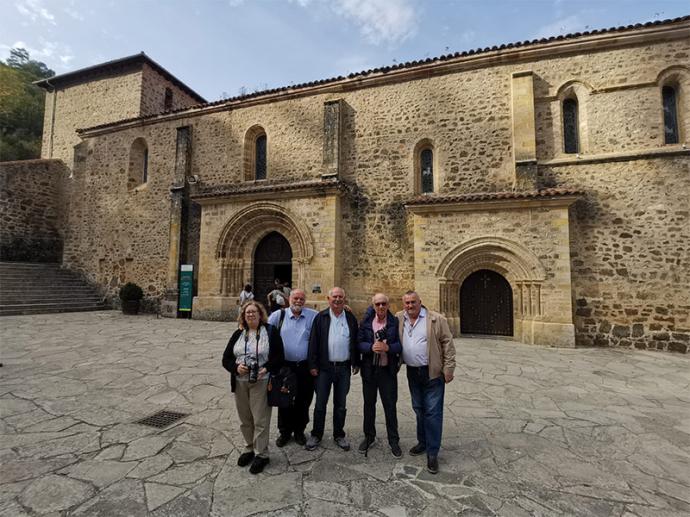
point(276, 354)
point(318, 340)
point(366, 340)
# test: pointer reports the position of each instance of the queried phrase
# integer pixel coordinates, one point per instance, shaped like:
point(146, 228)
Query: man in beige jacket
point(429, 356)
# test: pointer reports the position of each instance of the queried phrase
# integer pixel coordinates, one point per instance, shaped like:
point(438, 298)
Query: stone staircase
point(38, 288)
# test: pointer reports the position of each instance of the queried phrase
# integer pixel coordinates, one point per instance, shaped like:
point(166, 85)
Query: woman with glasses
point(254, 351)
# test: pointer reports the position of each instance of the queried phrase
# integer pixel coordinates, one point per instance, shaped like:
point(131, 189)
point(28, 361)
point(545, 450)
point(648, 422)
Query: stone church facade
point(538, 190)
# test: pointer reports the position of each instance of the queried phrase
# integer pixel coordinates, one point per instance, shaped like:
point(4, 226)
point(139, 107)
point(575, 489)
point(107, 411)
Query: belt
point(295, 363)
point(339, 363)
point(416, 367)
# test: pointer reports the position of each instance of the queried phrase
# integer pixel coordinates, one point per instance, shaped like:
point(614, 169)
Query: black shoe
point(282, 440)
point(432, 464)
point(396, 450)
point(300, 439)
point(245, 459)
point(417, 450)
point(258, 464)
point(366, 444)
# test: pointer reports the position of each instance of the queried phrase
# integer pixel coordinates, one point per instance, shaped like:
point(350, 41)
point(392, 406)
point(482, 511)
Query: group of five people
point(323, 350)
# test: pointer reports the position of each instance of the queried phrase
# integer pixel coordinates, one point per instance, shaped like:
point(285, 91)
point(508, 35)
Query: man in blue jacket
point(333, 354)
point(380, 346)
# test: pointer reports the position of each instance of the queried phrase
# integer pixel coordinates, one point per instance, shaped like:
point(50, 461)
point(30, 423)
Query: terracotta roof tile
point(265, 186)
point(430, 199)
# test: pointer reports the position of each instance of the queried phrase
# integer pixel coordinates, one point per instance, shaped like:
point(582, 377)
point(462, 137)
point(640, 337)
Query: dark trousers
point(337, 376)
point(295, 419)
point(384, 381)
point(427, 402)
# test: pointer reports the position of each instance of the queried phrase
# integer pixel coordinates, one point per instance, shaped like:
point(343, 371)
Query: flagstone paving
point(528, 431)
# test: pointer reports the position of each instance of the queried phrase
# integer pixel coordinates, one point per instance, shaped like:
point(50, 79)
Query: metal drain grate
point(161, 419)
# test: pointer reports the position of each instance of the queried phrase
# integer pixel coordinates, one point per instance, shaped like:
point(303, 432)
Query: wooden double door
point(486, 304)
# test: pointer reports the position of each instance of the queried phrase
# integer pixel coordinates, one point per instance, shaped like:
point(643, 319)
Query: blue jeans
point(338, 377)
point(427, 402)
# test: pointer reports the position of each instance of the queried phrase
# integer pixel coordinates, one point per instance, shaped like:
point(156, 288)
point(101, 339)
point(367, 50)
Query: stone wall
point(630, 251)
point(153, 86)
point(33, 206)
point(87, 104)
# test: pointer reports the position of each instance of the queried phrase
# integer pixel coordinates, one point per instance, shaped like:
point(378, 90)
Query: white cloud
point(379, 21)
point(73, 13)
point(34, 10)
point(54, 54)
point(563, 26)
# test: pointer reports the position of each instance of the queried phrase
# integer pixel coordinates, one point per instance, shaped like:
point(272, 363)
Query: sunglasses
point(381, 304)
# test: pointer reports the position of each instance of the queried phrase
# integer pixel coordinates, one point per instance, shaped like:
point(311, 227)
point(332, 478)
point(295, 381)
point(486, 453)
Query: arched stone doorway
point(486, 304)
point(272, 259)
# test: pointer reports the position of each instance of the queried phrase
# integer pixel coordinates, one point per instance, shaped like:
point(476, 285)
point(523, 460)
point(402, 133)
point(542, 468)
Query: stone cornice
point(493, 201)
point(583, 44)
point(659, 152)
point(251, 191)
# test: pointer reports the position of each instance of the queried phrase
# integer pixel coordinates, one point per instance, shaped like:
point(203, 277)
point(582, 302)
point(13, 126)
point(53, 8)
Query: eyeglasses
point(381, 304)
point(251, 312)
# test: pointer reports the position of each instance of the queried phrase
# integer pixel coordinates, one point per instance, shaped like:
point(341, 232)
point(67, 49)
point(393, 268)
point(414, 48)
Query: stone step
point(24, 300)
point(14, 311)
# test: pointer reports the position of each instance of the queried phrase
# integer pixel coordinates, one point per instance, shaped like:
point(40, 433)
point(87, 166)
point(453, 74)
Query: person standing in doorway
point(333, 358)
point(379, 344)
point(429, 356)
point(294, 324)
point(276, 298)
point(246, 294)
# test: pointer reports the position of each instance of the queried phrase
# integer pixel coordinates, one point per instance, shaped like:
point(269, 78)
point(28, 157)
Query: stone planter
point(131, 306)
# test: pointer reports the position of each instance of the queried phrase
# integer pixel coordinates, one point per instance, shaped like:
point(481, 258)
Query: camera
point(253, 366)
point(380, 334)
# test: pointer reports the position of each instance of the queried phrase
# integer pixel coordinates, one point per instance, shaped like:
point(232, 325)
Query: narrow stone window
point(571, 143)
point(255, 154)
point(168, 101)
point(426, 169)
point(138, 173)
point(670, 104)
point(260, 158)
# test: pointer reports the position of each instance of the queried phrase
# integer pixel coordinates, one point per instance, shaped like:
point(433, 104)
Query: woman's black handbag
point(282, 388)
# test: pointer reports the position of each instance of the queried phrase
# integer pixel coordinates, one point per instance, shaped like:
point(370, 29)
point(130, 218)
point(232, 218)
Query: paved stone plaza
point(528, 431)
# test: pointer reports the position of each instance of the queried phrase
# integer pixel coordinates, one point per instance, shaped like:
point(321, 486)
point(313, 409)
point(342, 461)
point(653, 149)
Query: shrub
point(131, 292)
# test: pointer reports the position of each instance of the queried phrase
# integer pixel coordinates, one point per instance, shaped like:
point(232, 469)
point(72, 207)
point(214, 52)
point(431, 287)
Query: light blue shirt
point(414, 340)
point(295, 332)
point(338, 338)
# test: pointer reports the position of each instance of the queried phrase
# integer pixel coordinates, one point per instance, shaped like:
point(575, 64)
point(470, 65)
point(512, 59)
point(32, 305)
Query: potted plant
point(131, 295)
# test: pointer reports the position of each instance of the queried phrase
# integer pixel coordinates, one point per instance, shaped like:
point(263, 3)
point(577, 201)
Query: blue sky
point(219, 47)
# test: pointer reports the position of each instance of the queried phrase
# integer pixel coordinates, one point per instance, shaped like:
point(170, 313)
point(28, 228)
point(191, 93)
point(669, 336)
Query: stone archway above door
point(242, 233)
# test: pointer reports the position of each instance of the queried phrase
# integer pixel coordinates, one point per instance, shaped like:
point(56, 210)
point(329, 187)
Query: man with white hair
point(294, 324)
point(333, 358)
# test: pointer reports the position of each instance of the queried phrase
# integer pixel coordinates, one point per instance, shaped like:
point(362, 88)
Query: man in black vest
point(333, 358)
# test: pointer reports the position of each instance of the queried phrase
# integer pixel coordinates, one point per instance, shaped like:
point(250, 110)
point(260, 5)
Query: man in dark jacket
point(380, 346)
point(332, 355)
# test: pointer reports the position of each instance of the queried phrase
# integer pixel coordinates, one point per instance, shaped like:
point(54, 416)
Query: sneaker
point(396, 450)
point(245, 459)
point(366, 444)
point(343, 443)
point(312, 443)
point(300, 439)
point(417, 449)
point(258, 464)
point(432, 464)
point(282, 440)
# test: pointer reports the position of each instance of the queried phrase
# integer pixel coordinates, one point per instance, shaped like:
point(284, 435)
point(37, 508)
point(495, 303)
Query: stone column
point(524, 131)
point(179, 195)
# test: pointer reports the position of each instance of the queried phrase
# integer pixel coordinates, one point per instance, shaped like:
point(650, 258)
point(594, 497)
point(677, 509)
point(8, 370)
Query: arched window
point(571, 126)
point(255, 154)
point(424, 167)
point(138, 173)
point(670, 105)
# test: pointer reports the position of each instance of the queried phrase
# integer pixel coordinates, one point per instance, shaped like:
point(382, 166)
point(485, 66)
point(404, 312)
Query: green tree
point(21, 106)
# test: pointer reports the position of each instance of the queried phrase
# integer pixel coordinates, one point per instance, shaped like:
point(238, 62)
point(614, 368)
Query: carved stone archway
point(516, 263)
point(245, 230)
